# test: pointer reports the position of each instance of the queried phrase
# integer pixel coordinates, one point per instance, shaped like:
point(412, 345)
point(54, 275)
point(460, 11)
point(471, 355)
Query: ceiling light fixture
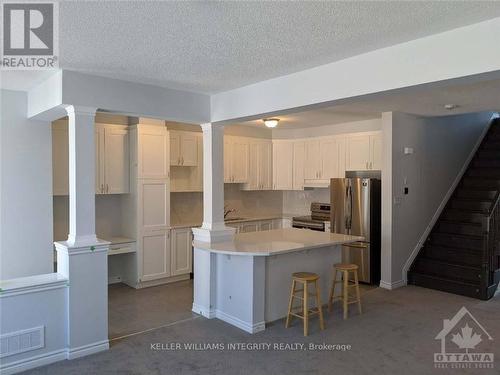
point(451, 107)
point(271, 122)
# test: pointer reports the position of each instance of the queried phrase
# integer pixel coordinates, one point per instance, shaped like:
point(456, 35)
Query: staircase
point(462, 253)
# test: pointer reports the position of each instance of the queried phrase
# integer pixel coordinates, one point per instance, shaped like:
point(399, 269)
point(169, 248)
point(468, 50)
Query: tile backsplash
point(299, 202)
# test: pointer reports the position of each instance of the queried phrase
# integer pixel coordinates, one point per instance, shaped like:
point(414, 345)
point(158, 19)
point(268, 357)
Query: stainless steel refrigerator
point(356, 210)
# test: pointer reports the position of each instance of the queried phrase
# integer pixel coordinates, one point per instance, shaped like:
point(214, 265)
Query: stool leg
point(345, 276)
point(357, 290)
point(320, 308)
point(290, 304)
point(306, 310)
point(332, 291)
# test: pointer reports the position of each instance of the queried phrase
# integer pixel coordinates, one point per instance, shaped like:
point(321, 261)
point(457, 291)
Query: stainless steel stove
point(319, 219)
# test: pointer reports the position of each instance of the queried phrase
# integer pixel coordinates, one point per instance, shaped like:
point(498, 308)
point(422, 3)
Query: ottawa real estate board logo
point(29, 35)
point(462, 338)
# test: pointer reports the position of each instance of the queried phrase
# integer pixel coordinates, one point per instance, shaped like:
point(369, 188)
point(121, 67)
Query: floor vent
point(22, 341)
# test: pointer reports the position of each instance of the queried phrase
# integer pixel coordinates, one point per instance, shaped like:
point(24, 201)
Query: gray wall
point(441, 147)
point(26, 190)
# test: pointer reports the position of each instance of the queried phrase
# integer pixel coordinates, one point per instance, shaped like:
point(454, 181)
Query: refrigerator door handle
point(347, 208)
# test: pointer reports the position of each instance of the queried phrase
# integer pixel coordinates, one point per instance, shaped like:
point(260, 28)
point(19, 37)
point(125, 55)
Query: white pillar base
point(86, 267)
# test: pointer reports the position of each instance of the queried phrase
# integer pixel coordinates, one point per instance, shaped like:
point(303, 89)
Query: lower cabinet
point(181, 245)
point(259, 225)
point(252, 226)
point(265, 225)
point(155, 255)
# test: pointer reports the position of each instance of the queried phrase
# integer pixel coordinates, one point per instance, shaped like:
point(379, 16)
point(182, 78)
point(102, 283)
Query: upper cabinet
point(298, 164)
point(189, 179)
point(236, 159)
point(364, 152)
point(152, 152)
point(183, 149)
point(111, 157)
point(260, 174)
point(282, 165)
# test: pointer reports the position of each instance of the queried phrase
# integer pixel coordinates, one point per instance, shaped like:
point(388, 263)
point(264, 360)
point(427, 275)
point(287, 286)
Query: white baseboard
point(33, 362)
point(114, 280)
point(245, 326)
point(394, 285)
point(165, 280)
point(207, 313)
point(85, 350)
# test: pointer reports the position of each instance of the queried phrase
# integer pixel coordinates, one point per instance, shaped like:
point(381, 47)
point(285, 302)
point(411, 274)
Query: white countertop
point(277, 241)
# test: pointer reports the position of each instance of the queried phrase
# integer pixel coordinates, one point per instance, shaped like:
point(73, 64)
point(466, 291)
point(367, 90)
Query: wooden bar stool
point(344, 270)
point(306, 279)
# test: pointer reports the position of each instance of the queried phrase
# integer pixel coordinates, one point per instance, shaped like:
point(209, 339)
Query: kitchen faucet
point(227, 211)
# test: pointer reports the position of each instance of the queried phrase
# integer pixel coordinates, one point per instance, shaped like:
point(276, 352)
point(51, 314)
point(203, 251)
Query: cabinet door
point(189, 150)
point(155, 255)
point(153, 205)
point(249, 227)
point(266, 225)
point(100, 185)
point(116, 160)
point(376, 152)
point(341, 142)
point(227, 159)
point(60, 160)
point(239, 160)
point(266, 166)
point(181, 247)
point(299, 155)
point(329, 158)
point(175, 148)
point(358, 153)
point(312, 167)
point(254, 167)
point(153, 152)
point(282, 165)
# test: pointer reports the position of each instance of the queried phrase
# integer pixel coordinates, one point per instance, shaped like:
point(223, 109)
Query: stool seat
point(346, 266)
point(305, 276)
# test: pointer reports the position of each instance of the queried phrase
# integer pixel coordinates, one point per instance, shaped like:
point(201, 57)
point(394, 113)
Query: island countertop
point(276, 241)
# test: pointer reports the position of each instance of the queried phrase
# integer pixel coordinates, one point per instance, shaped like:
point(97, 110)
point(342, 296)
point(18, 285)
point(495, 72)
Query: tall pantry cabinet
point(150, 200)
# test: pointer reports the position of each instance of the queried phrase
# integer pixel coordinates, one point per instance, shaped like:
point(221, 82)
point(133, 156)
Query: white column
point(83, 259)
point(82, 165)
point(213, 228)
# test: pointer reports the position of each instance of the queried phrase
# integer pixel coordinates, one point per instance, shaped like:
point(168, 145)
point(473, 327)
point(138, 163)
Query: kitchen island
point(246, 281)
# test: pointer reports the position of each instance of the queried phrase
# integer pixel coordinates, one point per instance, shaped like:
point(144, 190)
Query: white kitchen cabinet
point(364, 152)
point(252, 226)
point(149, 203)
point(260, 165)
point(183, 149)
point(153, 155)
point(236, 159)
point(298, 164)
point(282, 165)
point(112, 163)
point(60, 159)
point(312, 165)
point(155, 258)
point(265, 225)
point(329, 154)
point(114, 160)
point(181, 246)
point(189, 179)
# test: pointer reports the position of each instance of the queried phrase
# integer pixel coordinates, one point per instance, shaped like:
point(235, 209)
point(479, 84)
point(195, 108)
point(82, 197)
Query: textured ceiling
point(216, 46)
